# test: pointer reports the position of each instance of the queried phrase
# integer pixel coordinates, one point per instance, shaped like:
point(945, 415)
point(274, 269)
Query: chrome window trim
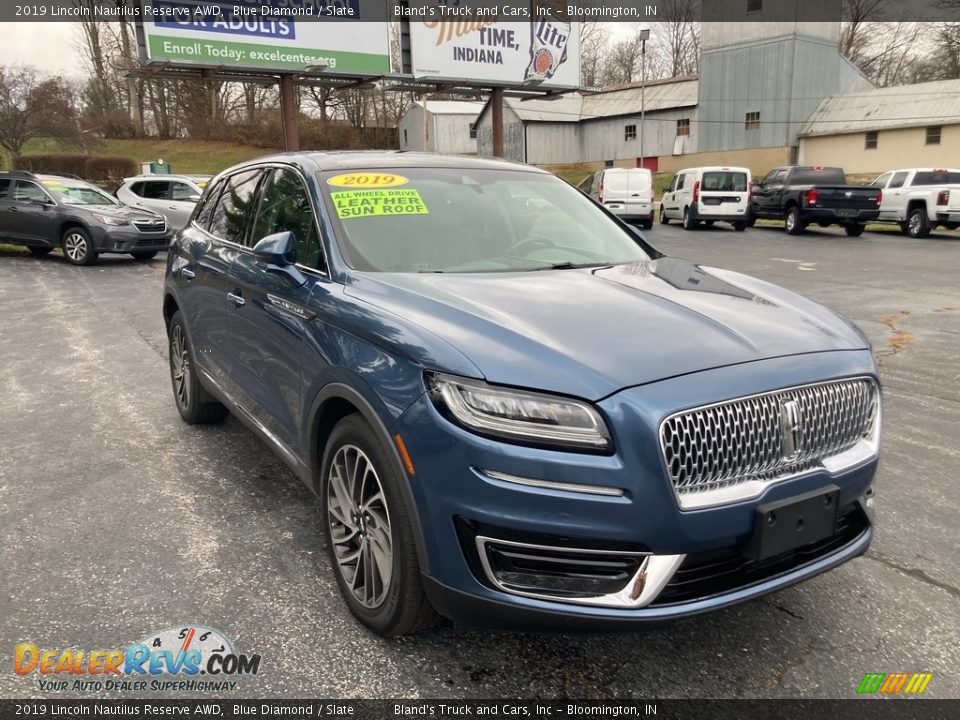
point(647, 583)
point(865, 450)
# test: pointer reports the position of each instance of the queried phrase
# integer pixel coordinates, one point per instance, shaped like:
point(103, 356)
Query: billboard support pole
point(288, 113)
point(496, 116)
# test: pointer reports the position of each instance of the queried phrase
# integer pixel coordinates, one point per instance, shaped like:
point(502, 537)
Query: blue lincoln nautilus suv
point(513, 408)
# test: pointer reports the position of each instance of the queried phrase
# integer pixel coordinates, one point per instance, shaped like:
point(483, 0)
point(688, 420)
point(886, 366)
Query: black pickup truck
point(801, 196)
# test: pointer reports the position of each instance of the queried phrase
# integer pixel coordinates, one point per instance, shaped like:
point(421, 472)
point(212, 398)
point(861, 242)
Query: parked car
point(626, 192)
point(44, 212)
point(513, 408)
point(801, 196)
point(920, 199)
point(173, 196)
point(706, 195)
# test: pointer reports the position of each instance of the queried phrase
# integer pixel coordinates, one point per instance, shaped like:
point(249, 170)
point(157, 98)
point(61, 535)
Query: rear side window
point(937, 177)
point(285, 207)
point(4, 189)
point(812, 176)
point(154, 190)
point(229, 219)
point(725, 181)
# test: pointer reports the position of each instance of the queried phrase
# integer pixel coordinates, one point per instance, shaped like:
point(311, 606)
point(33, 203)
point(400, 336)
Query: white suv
point(173, 196)
point(708, 194)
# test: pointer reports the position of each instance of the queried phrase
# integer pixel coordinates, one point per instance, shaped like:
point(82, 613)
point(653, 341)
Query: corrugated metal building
point(442, 126)
point(884, 128)
point(598, 127)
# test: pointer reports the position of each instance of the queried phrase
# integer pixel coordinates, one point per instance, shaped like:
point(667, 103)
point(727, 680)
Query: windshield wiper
point(567, 265)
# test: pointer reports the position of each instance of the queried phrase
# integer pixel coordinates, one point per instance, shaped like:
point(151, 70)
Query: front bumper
point(458, 500)
point(127, 239)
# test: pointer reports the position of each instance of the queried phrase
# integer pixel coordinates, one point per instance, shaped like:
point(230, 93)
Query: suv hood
point(120, 211)
point(592, 332)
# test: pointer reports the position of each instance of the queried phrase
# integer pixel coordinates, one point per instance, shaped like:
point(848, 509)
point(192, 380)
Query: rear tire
point(740, 226)
point(144, 256)
point(647, 224)
point(918, 224)
point(368, 532)
point(192, 400)
point(664, 220)
point(39, 251)
point(78, 247)
point(854, 229)
point(688, 222)
point(792, 223)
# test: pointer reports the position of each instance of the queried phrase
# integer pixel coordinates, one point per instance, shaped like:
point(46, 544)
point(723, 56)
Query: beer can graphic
point(549, 34)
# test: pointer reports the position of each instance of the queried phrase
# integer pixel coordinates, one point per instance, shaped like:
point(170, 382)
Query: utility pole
point(644, 35)
point(496, 117)
point(288, 114)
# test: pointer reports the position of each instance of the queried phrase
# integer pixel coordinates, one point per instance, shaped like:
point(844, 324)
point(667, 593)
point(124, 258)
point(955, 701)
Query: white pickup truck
point(920, 199)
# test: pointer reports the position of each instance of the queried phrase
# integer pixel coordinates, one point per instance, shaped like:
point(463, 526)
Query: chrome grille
point(150, 226)
point(743, 440)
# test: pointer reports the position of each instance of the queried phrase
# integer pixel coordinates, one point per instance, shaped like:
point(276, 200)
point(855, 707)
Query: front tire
point(78, 247)
point(193, 403)
point(792, 223)
point(854, 229)
point(664, 220)
point(918, 224)
point(39, 251)
point(368, 532)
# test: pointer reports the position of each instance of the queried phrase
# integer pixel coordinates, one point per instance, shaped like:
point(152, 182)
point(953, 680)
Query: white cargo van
point(708, 194)
point(626, 192)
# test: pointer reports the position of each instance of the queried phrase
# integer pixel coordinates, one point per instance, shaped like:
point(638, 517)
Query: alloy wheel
point(359, 524)
point(180, 366)
point(914, 224)
point(75, 246)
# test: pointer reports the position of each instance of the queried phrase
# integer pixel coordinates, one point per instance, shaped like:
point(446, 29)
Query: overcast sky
point(48, 46)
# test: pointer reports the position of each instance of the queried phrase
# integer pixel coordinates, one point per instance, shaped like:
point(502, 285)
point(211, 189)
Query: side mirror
point(193, 198)
point(278, 253)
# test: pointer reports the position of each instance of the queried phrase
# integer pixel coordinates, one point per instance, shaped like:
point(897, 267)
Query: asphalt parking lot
point(116, 519)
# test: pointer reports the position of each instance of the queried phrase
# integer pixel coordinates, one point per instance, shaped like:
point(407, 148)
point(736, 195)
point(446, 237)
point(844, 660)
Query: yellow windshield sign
point(367, 180)
point(371, 203)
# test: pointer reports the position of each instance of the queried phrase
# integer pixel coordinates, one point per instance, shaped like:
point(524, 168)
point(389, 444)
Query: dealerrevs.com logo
point(189, 658)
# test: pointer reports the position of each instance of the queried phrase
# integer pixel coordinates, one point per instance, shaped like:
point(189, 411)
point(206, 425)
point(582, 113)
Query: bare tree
point(856, 32)
point(622, 64)
point(593, 42)
point(677, 37)
point(34, 106)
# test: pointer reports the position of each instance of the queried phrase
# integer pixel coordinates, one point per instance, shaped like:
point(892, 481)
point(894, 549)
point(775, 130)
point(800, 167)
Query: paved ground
point(117, 519)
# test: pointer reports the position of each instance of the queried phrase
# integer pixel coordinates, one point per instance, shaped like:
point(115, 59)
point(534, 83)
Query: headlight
point(518, 415)
point(109, 219)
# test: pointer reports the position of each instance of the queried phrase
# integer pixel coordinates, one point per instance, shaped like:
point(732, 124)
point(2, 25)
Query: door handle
point(14, 209)
point(236, 299)
point(188, 273)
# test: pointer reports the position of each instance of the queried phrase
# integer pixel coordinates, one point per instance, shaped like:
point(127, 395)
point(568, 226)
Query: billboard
point(542, 51)
point(271, 35)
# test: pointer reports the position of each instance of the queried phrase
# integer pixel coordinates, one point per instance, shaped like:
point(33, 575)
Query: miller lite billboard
point(505, 45)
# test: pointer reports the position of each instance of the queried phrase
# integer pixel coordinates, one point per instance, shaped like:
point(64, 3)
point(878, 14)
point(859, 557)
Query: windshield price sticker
point(368, 180)
point(368, 203)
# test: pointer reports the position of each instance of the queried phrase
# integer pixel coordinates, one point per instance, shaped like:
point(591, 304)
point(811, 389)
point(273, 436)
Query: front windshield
point(470, 220)
point(75, 192)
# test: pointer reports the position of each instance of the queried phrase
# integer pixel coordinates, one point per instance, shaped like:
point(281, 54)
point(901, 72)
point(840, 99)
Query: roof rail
point(19, 173)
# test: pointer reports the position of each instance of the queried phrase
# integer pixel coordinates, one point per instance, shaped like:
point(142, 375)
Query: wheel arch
point(334, 402)
point(170, 308)
point(70, 223)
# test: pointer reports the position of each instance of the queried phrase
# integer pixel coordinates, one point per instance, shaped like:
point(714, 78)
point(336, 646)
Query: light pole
point(644, 36)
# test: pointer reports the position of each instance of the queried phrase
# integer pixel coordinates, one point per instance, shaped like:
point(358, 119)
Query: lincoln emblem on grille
point(790, 421)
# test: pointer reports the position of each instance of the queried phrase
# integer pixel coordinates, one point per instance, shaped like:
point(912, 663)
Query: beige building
point(870, 132)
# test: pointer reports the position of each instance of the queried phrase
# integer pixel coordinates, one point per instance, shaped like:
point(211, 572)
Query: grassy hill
point(185, 156)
